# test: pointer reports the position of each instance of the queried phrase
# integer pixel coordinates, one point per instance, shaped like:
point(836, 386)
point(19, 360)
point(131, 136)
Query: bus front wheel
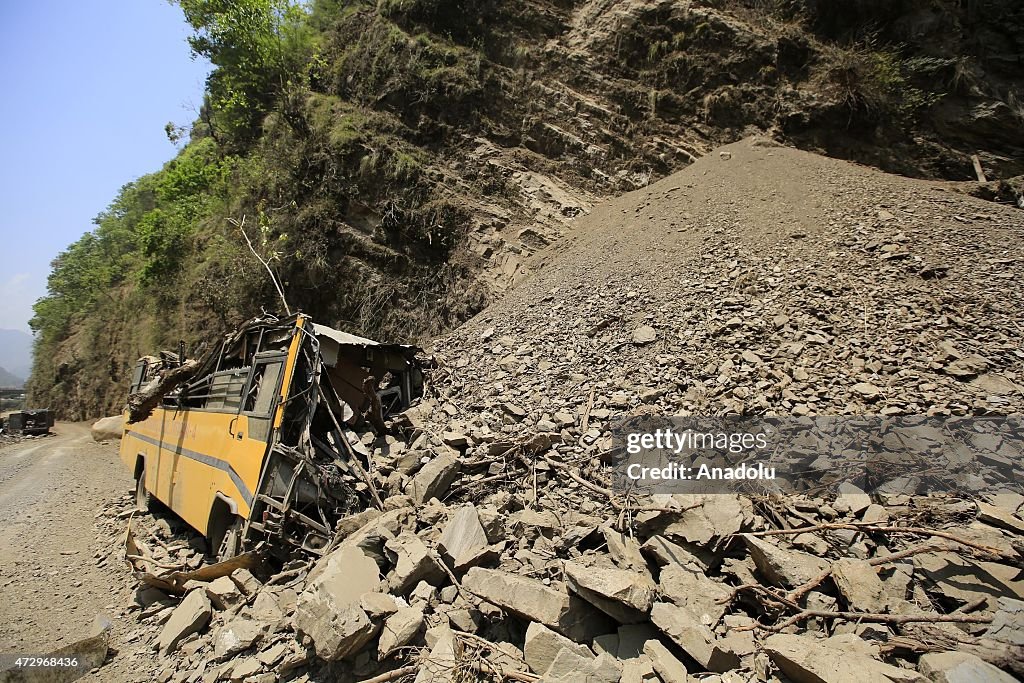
point(143, 500)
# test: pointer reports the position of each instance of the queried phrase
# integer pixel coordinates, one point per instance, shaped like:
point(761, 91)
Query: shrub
point(875, 84)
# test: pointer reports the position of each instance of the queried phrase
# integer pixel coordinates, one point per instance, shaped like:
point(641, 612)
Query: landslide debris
point(768, 279)
point(502, 554)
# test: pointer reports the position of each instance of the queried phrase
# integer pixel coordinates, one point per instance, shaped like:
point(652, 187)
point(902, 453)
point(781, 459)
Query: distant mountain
point(9, 380)
point(16, 352)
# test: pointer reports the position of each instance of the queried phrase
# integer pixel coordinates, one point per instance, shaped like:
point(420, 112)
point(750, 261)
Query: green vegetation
point(261, 50)
point(292, 145)
point(878, 83)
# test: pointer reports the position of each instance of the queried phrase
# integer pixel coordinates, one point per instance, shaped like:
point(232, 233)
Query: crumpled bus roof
point(348, 339)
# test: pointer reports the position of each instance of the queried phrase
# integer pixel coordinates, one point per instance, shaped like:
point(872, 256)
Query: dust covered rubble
point(562, 587)
point(501, 552)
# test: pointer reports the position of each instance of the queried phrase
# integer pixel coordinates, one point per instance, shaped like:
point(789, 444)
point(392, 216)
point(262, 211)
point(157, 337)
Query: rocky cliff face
point(579, 100)
point(438, 146)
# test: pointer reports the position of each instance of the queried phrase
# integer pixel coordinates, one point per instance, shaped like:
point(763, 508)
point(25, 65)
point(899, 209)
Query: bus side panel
point(197, 458)
point(194, 455)
point(246, 457)
point(130, 448)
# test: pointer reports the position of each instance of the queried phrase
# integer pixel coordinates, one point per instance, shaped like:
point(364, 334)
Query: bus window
point(226, 389)
point(138, 375)
point(263, 390)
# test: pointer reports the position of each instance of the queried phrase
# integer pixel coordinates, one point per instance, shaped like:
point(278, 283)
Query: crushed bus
point(256, 448)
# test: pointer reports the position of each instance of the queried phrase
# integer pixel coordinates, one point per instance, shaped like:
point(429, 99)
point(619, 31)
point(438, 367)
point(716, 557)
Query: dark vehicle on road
point(30, 422)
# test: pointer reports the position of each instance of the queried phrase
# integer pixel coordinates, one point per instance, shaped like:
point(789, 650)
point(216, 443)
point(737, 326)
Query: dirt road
point(53, 580)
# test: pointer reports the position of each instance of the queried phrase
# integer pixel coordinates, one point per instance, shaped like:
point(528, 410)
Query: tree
point(257, 46)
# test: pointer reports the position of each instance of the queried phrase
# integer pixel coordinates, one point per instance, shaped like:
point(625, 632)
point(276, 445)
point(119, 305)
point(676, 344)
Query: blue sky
point(87, 88)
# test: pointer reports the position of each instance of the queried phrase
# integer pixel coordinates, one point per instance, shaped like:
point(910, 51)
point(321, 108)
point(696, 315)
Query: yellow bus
point(257, 449)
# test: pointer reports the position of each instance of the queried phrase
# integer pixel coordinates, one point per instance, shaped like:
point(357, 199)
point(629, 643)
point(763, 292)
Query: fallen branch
point(451, 576)
point(521, 676)
point(772, 596)
point(158, 565)
point(585, 421)
point(481, 668)
point(286, 575)
point(874, 618)
point(142, 402)
point(922, 638)
point(478, 482)
point(502, 674)
point(863, 526)
point(806, 588)
point(791, 599)
point(273, 278)
point(610, 495)
point(392, 675)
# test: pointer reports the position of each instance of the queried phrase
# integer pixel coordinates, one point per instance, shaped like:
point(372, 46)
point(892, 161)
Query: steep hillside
point(8, 379)
point(399, 162)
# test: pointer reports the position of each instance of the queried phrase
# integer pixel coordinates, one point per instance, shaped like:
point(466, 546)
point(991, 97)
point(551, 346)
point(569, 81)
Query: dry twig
point(874, 618)
point(863, 526)
point(158, 565)
point(273, 278)
point(393, 675)
point(806, 588)
point(286, 575)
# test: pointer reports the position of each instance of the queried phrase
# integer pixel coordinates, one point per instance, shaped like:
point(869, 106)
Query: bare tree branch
point(273, 278)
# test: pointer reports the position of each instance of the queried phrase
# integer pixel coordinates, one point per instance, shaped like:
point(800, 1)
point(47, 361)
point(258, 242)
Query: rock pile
point(706, 588)
point(762, 281)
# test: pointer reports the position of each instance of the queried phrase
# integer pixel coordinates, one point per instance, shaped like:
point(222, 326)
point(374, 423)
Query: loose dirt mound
point(774, 280)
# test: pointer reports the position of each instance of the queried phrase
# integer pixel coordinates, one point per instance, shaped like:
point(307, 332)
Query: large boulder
point(400, 628)
point(441, 665)
point(463, 542)
point(433, 480)
point(839, 659)
point(531, 600)
point(626, 596)
point(236, 636)
point(329, 610)
point(706, 598)
point(413, 562)
point(694, 637)
point(782, 567)
point(543, 645)
point(224, 593)
point(190, 616)
point(859, 585)
point(108, 428)
point(960, 667)
point(665, 664)
point(568, 668)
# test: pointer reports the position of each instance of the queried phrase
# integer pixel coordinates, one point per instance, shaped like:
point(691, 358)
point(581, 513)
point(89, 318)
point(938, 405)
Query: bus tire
point(143, 499)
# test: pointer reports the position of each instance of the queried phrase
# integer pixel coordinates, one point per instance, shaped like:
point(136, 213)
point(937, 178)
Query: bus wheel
point(143, 501)
point(231, 542)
